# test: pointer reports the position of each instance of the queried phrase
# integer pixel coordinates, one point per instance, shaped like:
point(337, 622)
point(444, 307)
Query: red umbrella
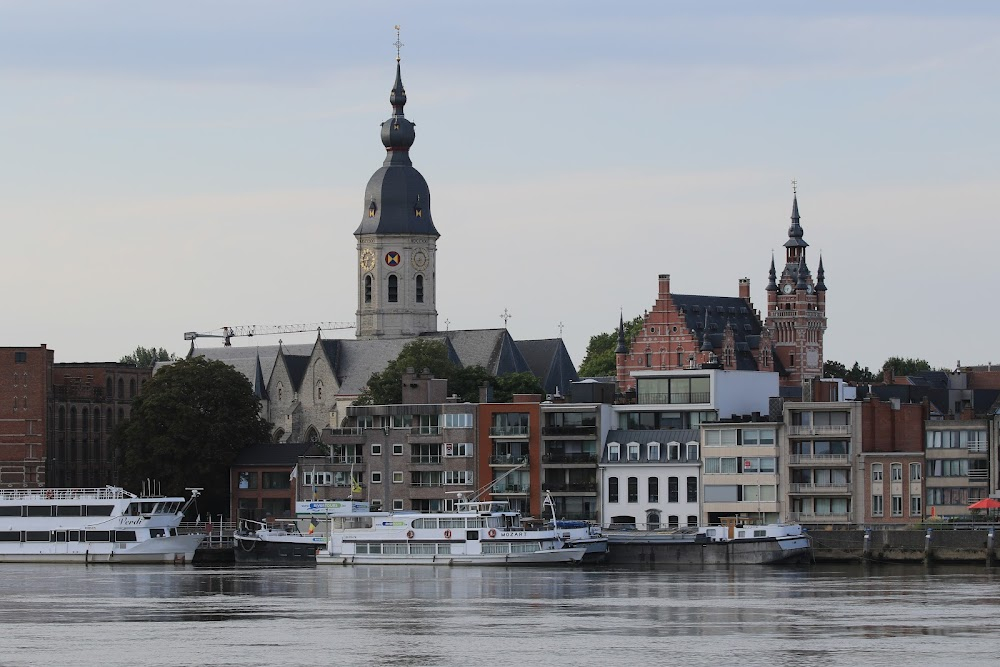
point(985, 504)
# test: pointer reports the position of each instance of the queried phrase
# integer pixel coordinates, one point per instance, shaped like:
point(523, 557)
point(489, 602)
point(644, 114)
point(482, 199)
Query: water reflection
point(823, 615)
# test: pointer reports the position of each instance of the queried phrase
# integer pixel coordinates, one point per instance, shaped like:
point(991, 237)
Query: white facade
point(740, 471)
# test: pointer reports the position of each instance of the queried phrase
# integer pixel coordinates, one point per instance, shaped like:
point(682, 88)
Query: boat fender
point(492, 533)
point(409, 534)
point(447, 534)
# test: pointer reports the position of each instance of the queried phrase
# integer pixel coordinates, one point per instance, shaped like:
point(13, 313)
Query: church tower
point(397, 241)
point(796, 309)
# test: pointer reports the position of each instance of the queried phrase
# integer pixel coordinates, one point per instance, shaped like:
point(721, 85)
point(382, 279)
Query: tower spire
point(820, 276)
point(621, 349)
point(772, 277)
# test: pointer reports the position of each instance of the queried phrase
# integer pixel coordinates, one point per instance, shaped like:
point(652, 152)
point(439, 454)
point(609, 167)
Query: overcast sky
point(177, 166)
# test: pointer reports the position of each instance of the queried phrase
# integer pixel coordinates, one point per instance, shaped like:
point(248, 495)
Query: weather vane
point(795, 183)
point(398, 44)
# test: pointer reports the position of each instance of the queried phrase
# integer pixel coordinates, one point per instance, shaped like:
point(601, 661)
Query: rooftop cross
point(795, 183)
point(561, 325)
point(506, 316)
point(398, 44)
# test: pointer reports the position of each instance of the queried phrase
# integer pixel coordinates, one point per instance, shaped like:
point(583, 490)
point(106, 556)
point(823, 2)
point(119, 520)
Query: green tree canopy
point(386, 387)
point(901, 366)
point(187, 428)
point(599, 360)
point(835, 369)
point(144, 357)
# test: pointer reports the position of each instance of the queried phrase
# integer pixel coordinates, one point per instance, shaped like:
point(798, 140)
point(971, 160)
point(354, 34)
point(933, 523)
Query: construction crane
point(226, 333)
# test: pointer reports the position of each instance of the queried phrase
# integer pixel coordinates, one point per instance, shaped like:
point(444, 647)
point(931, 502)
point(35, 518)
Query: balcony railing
point(346, 459)
point(819, 459)
point(507, 460)
point(675, 398)
point(425, 430)
point(425, 458)
point(509, 489)
point(508, 431)
point(809, 517)
point(563, 487)
point(579, 457)
point(351, 430)
point(979, 448)
point(825, 489)
point(839, 429)
point(425, 482)
point(569, 430)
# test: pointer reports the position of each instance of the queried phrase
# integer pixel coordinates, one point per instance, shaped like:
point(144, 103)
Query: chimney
point(745, 289)
point(664, 284)
point(485, 393)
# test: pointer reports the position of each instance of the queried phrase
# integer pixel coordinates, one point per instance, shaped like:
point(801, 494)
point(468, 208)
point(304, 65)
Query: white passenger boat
point(476, 533)
point(108, 525)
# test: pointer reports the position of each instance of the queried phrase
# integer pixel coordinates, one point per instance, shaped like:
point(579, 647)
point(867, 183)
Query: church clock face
point(367, 259)
point(787, 289)
point(419, 260)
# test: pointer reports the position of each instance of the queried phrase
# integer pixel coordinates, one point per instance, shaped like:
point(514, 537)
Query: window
point(653, 452)
point(20, 357)
point(914, 472)
point(692, 490)
point(376, 478)
point(376, 449)
point(692, 451)
point(397, 478)
point(897, 505)
point(275, 480)
point(876, 472)
point(458, 420)
point(653, 489)
point(754, 436)
point(458, 449)
point(673, 451)
point(368, 289)
point(672, 492)
point(612, 489)
point(877, 506)
point(131, 388)
point(633, 451)
point(458, 477)
point(397, 505)
point(248, 480)
point(614, 452)
point(633, 489)
point(397, 450)
point(420, 289)
point(896, 473)
point(915, 508)
point(692, 520)
point(720, 438)
point(393, 289)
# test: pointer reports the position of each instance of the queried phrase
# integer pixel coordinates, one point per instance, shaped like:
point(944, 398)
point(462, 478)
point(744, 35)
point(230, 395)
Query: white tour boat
point(99, 525)
point(476, 533)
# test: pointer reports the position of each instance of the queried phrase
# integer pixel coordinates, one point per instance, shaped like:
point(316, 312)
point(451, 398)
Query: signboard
point(311, 507)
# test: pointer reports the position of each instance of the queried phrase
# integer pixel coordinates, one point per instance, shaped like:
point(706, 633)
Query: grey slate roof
point(255, 362)
point(493, 349)
point(550, 362)
point(718, 311)
point(644, 437)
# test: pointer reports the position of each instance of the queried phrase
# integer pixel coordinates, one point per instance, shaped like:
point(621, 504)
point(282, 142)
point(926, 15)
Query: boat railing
point(104, 493)
point(218, 534)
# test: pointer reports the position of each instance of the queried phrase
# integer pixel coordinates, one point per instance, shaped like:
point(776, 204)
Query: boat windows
point(10, 536)
point(100, 510)
point(97, 536)
point(60, 536)
point(424, 523)
point(10, 510)
point(73, 535)
point(451, 523)
point(156, 532)
point(69, 510)
point(37, 536)
point(38, 510)
point(125, 536)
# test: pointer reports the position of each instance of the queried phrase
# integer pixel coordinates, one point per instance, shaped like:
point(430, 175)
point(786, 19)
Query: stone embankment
point(942, 544)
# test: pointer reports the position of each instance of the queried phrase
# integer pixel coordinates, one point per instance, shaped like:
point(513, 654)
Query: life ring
point(209, 528)
point(409, 534)
point(447, 534)
point(49, 495)
point(492, 533)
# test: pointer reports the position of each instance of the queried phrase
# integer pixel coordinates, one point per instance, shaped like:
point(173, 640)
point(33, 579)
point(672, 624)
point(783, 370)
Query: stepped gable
point(708, 316)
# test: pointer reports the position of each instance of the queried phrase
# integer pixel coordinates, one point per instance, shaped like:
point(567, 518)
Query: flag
point(355, 485)
point(312, 525)
point(295, 473)
point(314, 482)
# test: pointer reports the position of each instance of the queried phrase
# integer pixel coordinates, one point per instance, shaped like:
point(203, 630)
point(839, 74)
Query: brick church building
point(694, 331)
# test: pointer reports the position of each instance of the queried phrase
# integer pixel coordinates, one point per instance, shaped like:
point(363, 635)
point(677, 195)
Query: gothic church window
point(393, 289)
point(420, 289)
point(368, 289)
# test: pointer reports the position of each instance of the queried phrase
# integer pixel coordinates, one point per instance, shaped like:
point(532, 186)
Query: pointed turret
point(820, 276)
point(800, 275)
point(795, 230)
point(621, 349)
point(772, 277)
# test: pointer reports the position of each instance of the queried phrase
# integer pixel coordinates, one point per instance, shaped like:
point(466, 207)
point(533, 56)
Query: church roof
point(709, 315)
point(550, 362)
point(493, 349)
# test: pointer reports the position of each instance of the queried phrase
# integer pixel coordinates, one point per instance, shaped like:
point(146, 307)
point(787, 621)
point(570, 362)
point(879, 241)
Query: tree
point(386, 387)
point(506, 386)
point(144, 357)
point(186, 429)
point(599, 360)
point(901, 366)
point(834, 369)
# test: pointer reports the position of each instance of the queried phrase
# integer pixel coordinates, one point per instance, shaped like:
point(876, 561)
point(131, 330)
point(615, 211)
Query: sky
point(183, 166)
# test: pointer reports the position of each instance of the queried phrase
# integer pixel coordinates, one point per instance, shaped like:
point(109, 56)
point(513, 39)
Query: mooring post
point(866, 548)
point(990, 547)
point(928, 555)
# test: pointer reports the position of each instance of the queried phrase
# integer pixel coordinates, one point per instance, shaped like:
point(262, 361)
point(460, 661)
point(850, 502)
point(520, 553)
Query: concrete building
point(742, 469)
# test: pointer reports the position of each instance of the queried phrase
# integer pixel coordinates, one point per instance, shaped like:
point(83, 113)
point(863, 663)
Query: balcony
point(508, 431)
point(675, 398)
point(507, 460)
point(979, 448)
point(841, 430)
point(569, 430)
point(509, 489)
point(581, 457)
point(813, 489)
point(571, 487)
point(425, 430)
point(819, 460)
point(809, 517)
point(353, 431)
point(346, 459)
point(427, 482)
point(425, 459)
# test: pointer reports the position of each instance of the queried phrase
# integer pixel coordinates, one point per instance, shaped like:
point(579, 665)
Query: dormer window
point(371, 209)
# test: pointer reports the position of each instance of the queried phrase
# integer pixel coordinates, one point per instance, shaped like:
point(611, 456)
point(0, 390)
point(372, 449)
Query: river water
point(751, 615)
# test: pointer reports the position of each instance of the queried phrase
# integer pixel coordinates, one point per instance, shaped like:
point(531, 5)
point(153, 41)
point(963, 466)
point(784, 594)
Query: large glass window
point(633, 489)
point(915, 472)
point(692, 489)
point(393, 289)
point(275, 480)
point(672, 490)
point(653, 489)
point(612, 489)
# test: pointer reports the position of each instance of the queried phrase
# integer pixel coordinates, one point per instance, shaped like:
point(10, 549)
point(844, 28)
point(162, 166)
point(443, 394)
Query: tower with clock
point(396, 241)
point(796, 309)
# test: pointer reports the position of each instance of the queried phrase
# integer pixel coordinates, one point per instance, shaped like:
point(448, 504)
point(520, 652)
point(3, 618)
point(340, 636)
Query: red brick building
point(510, 452)
point(690, 331)
point(25, 378)
point(892, 462)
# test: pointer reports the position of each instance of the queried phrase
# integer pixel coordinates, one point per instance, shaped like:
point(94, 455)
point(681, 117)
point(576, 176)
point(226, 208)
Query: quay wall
point(650, 553)
point(913, 545)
